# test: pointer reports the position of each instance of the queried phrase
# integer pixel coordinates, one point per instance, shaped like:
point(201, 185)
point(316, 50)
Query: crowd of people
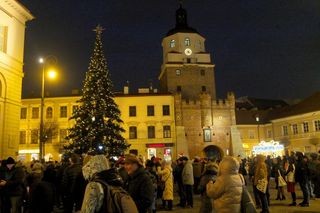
point(93, 183)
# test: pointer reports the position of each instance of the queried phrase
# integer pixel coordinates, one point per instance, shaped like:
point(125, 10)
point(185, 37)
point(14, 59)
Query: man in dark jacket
point(139, 184)
point(178, 178)
point(14, 187)
point(69, 184)
point(302, 177)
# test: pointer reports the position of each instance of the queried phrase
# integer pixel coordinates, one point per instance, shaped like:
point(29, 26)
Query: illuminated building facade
point(148, 121)
point(13, 17)
point(296, 126)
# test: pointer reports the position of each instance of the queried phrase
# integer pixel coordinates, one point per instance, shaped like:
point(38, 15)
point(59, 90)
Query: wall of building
point(12, 21)
point(141, 144)
point(203, 115)
point(301, 141)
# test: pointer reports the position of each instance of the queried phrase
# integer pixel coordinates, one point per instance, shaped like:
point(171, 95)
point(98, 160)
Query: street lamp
point(51, 74)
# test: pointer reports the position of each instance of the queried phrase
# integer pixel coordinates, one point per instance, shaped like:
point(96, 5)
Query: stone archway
point(213, 152)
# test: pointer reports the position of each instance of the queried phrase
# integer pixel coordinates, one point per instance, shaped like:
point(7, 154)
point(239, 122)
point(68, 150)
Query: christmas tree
point(97, 120)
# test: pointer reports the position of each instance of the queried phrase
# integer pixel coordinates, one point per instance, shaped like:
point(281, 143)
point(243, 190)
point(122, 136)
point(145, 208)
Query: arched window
point(172, 43)
point(49, 112)
point(187, 41)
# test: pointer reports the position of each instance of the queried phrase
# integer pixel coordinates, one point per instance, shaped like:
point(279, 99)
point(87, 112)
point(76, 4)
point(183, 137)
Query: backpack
point(116, 199)
point(247, 205)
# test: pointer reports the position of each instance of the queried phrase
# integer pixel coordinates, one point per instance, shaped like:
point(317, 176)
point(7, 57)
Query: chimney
point(126, 90)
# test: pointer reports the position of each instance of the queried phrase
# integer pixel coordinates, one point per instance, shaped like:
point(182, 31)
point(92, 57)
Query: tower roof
point(181, 23)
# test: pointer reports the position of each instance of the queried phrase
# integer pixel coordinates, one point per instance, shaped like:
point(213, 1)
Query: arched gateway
point(213, 152)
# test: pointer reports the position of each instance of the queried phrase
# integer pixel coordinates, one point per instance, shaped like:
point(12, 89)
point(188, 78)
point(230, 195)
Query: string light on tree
point(98, 124)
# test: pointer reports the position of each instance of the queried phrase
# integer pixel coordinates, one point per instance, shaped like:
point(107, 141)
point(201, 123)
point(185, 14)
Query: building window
point(34, 136)
point(165, 110)
point(35, 112)
point(166, 131)
point(203, 88)
point(63, 133)
point(150, 110)
point(172, 43)
point(132, 111)
point(207, 135)
point(251, 134)
point(178, 72)
point(305, 127)
point(202, 72)
point(132, 132)
point(151, 132)
point(317, 125)
point(49, 112)
point(3, 38)
point(63, 111)
point(179, 89)
point(74, 108)
point(295, 129)
point(285, 130)
point(187, 41)
point(269, 133)
point(188, 60)
point(23, 137)
point(23, 113)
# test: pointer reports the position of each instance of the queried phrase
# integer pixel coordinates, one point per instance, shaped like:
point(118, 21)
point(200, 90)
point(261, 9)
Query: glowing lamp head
point(41, 60)
point(52, 74)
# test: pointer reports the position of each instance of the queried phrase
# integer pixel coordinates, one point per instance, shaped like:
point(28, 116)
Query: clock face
point(188, 51)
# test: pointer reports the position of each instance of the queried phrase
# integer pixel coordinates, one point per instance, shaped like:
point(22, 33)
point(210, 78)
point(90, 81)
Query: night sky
point(261, 48)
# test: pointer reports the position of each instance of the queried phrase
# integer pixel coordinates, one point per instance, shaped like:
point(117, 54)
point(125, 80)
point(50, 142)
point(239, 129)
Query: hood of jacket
point(229, 166)
point(111, 176)
point(95, 165)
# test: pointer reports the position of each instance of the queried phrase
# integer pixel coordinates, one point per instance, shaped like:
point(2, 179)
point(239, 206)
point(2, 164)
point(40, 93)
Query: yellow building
point(148, 121)
point(13, 17)
point(296, 127)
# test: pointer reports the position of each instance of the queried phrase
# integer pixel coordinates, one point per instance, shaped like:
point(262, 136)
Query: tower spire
point(181, 16)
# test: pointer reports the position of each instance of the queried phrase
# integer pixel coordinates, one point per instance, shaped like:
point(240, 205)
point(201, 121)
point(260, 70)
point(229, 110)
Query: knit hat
point(10, 160)
point(131, 158)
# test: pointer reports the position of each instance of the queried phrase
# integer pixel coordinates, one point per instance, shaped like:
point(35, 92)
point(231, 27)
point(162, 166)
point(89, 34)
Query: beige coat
point(227, 189)
point(166, 175)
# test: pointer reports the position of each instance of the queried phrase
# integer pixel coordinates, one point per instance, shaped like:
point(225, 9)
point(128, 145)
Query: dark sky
point(261, 48)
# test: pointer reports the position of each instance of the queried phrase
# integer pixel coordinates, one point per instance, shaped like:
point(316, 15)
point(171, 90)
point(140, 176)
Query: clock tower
point(187, 68)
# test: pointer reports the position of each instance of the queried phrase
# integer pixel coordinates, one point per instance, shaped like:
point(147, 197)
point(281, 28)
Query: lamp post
point(51, 74)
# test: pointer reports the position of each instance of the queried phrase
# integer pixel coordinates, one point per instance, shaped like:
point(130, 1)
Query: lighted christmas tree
point(97, 120)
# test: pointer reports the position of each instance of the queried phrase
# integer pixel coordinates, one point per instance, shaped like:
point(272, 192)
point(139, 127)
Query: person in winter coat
point(69, 180)
point(197, 171)
point(41, 196)
point(178, 179)
point(278, 171)
point(261, 173)
point(227, 189)
point(314, 166)
point(290, 173)
point(302, 177)
point(210, 174)
point(13, 186)
point(154, 178)
point(139, 184)
point(187, 179)
point(97, 168)
point(167, 178)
